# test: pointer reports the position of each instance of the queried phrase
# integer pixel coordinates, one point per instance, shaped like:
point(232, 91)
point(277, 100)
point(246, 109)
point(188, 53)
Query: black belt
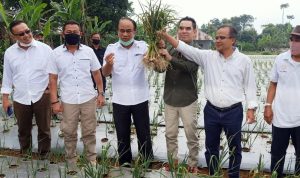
point(226, 108)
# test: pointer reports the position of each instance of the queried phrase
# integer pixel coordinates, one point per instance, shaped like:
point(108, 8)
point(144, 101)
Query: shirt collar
point(79, 47)
point(234, 53)
point(288, 57)
point(33, 43)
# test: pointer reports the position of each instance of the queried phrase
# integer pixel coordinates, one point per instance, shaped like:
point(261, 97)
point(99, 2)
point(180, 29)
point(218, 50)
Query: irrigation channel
point(256, 137)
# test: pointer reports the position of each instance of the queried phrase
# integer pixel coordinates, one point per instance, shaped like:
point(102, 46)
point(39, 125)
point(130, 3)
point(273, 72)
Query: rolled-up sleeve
point(7, 80)
point(250, 86)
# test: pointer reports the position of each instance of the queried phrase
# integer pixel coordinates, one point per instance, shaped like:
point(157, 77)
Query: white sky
point(264, 11)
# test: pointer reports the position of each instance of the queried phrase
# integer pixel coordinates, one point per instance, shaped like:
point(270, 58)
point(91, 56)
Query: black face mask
point(95, 41)
point(72, 39)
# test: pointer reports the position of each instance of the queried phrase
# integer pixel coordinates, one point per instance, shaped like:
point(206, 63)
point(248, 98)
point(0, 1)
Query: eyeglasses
point(23, 33)
point(295, 39)
point(126, 30)
point(221, 37)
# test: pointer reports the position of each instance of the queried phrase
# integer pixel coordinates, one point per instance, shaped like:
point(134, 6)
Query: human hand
point(268, 114)
point(251, 116)
point(5, 104)
point(110, 58)
point(100, 100)
point(165, 54)
point(57, 108)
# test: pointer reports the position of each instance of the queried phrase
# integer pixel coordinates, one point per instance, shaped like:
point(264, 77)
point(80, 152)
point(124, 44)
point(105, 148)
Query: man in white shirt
point(228, 81)
point(123, 60)
point(282, 104)
point(25, 73)
point(73, 63)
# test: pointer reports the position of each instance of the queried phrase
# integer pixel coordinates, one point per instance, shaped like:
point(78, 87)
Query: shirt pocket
point(138, 60)
point(84, 64)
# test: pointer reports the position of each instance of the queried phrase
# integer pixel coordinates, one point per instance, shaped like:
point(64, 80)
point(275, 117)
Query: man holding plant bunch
point(228, 81)
point(124, 62)
point(73, 64)
point(180, 96)
point(282, 104)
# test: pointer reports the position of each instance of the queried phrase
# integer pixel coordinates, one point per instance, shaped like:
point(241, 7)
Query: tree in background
point(274, 37)
point(282, 7)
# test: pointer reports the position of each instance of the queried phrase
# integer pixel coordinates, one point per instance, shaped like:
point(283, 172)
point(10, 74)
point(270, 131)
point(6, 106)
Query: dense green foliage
point(273, 37)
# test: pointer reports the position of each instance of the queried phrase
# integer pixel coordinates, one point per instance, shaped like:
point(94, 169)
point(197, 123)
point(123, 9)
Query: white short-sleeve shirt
point(129, 83)
point(74, 73)
point(286, 73)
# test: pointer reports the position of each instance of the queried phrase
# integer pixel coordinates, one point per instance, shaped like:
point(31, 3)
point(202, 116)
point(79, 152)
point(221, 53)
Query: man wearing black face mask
point(73, 63)
point(99, 51)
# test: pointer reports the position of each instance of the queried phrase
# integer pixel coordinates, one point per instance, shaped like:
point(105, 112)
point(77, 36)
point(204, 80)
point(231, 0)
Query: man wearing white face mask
point(282, 104)
point(24, 73)
point(123, 60)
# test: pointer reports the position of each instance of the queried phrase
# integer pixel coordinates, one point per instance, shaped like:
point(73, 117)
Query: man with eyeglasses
point(124, 61)
point(282, 104)
point(73, 64)
point(25, 74)
point(229, 80)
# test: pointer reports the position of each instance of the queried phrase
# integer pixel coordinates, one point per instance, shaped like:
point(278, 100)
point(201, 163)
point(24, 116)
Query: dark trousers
point(122, 118)
point(280, 142)
point(231, 122)
point(24, 115)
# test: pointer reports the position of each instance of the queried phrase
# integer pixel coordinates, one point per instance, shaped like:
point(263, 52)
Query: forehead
point(223, 31)
point(72, 27)
point(125, 24)
point(20, 27)
point(186, 23)
point(96, 36)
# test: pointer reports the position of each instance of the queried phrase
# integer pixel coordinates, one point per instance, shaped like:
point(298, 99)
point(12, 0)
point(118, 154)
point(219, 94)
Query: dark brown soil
point(154, 165)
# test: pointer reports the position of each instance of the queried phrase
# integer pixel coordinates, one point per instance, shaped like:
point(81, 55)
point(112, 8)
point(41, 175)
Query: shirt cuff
point(179, 47)
point(6, 90)
point(252, 104)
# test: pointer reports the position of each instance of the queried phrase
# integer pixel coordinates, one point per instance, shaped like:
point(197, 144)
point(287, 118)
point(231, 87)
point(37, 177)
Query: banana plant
point(94, 25)
point(34, 13)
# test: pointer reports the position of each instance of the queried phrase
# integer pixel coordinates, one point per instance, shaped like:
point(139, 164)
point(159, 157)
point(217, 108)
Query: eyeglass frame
point(222, 37)
point(28, 31)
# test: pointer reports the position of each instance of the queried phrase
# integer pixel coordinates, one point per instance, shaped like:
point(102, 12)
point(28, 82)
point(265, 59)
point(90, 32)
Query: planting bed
point(256, 137)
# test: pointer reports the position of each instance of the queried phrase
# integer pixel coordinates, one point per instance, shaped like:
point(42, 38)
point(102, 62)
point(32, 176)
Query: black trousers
point(231, 122)
point(122, 119)
point(280, 142)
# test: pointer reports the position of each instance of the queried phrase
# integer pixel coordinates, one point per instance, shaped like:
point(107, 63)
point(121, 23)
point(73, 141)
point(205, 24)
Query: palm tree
point(290, 17)
point(282, 7)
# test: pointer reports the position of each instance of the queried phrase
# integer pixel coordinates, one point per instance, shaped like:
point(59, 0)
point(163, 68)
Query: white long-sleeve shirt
point(226, 81)
point(25, 72)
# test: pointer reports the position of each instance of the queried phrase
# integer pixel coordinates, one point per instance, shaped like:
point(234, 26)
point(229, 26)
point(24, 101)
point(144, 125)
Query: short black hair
point(232, 31)
point(15, 23)
point(194, 24)
point(94, 33)
point(131, 20)
point(71, 22)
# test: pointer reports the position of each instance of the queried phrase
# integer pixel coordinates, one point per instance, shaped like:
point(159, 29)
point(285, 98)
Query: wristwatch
point(101, 93)
point(268, 104)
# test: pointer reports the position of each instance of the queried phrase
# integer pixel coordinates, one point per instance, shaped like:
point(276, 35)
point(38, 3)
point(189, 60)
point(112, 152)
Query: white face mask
point(25, 44)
